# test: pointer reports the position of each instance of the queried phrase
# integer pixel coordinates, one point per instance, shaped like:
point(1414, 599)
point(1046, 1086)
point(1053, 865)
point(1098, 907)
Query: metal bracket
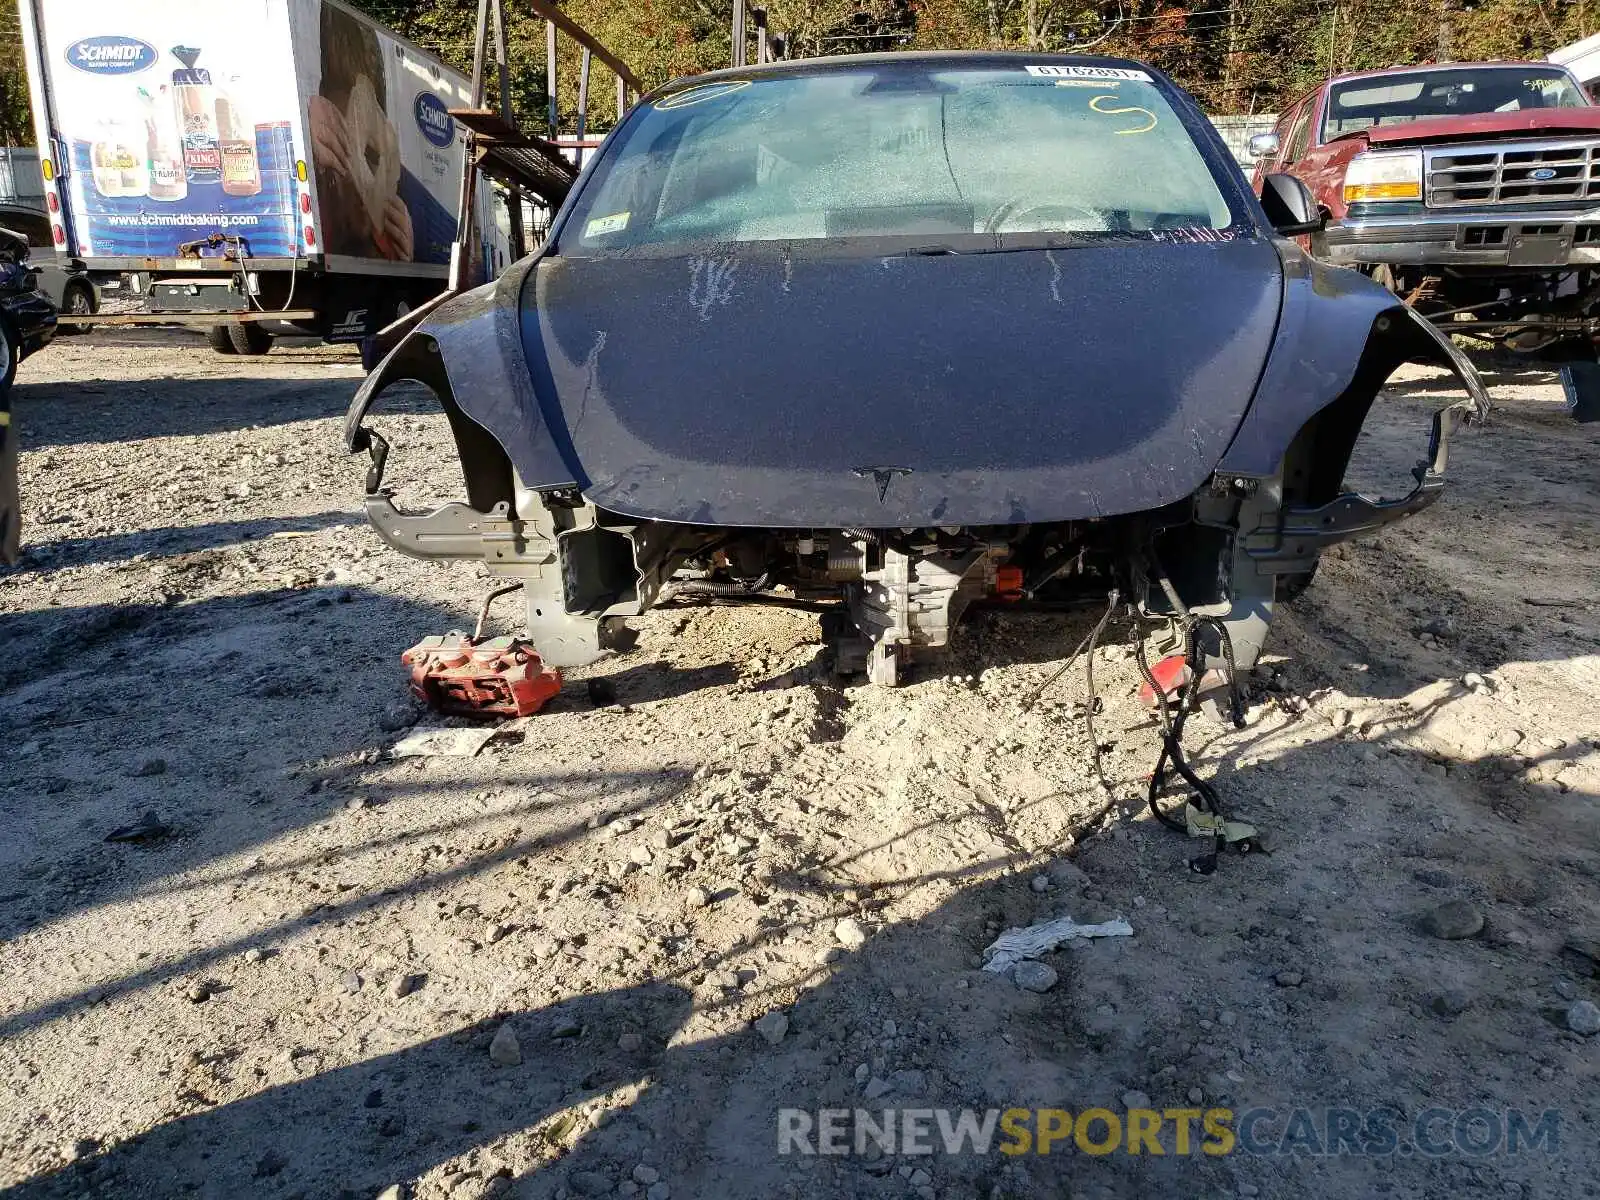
point(459, 531)
point(1302, 533)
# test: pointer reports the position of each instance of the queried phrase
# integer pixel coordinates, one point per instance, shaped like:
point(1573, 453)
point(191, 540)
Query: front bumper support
point(1515, 240)
point(1291, 544)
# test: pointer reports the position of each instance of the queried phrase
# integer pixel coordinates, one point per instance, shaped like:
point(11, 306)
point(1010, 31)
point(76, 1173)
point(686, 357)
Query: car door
point(1293, 149)
point(1318, 165)
point(1294, 146)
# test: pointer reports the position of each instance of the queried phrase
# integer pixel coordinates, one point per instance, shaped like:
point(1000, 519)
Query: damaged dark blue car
point(911, 332)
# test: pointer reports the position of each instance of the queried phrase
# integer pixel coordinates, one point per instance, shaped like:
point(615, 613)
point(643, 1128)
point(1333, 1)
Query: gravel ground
point(551, 969)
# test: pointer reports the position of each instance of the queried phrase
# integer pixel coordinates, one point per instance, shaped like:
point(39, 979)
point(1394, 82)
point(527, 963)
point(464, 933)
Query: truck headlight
point(1389, 175)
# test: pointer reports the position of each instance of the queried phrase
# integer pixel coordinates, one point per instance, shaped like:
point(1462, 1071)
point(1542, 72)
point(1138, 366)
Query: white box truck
point(258, 167)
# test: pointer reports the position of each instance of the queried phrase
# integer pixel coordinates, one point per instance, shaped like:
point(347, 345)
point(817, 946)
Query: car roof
point(1450, 66)
point(947, 58)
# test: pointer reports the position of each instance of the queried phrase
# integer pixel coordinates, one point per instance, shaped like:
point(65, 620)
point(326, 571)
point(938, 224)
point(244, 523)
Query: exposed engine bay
point(892, 598)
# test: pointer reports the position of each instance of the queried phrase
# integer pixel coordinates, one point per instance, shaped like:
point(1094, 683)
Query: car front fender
point(1339, 338)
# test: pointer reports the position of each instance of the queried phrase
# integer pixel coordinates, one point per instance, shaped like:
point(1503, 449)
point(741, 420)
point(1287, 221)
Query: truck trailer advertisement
point(174, 129)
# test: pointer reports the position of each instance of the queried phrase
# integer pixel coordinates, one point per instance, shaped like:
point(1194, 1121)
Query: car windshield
point(949, 155)
point(1449, 92)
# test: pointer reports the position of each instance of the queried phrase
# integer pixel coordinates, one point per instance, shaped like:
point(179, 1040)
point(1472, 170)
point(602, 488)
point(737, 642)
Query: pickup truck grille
point(1518, 173)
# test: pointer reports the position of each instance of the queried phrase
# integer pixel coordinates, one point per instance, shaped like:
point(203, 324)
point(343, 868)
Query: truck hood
point(1534, 122)
point(910, 391)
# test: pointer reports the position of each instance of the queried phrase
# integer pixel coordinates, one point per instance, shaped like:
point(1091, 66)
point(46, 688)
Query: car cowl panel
point(778, 390)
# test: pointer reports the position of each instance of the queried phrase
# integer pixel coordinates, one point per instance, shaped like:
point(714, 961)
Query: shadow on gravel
point(91, 412)
point(168, 541)
point(627, 795)
point(271, 695)
point(627, 680)
point(697, 1103)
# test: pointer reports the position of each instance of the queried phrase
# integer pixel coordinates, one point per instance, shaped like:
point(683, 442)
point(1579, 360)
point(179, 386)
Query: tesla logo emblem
point(882, 476)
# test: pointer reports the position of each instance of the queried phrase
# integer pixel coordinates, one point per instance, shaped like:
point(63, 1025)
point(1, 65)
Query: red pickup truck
point(1472, 190)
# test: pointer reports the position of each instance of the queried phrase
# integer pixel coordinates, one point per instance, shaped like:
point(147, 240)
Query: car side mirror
point(1290, 206)
point(13, 247)
point(1264, 145)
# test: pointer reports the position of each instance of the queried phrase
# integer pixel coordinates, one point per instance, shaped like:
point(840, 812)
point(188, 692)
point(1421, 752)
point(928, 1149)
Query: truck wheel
point(78, 302)
point(217, 338)
point(249, 338)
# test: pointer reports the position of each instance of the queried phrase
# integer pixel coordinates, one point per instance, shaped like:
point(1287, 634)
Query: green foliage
point(1232, 55)
point(16, 121)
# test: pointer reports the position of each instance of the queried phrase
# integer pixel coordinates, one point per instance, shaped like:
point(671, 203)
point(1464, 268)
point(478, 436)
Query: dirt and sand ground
point(287, 984)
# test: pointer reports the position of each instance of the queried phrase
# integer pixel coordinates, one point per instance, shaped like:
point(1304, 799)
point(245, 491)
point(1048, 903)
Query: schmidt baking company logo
point(111, 55)
point(435, 121)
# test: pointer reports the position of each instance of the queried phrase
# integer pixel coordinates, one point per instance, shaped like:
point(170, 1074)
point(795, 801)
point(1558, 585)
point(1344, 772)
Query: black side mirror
point(13, 247)
point(1290, 206)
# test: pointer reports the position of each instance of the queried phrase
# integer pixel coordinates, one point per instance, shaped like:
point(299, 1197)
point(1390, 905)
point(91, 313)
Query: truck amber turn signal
point(1394, 175)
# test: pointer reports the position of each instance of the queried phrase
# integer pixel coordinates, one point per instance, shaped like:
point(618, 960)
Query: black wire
point(1158, 776)
point(1088, 708)
point(1057, 673)
point(1172, 727)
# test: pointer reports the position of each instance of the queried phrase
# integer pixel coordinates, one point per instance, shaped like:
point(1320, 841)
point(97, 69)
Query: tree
point(1232, 55)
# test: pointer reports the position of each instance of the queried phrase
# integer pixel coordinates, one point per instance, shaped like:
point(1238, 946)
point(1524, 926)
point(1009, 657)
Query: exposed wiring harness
point(1203, 814)
point(1206, 798)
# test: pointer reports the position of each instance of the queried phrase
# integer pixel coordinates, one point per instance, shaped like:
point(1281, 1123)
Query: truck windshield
point(968, 158)
point(1447, 92)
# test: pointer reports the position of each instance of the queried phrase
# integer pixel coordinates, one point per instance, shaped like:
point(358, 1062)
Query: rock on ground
point(1454, 919)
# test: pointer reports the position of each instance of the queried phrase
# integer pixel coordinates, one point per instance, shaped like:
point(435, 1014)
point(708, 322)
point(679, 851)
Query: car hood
point(908, 391)
point(1544, 122)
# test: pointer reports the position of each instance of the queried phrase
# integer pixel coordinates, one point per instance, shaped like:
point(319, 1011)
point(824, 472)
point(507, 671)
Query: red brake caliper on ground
point(501, 677)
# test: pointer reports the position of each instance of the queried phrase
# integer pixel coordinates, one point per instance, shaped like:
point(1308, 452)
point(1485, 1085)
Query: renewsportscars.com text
point(1261, 1132)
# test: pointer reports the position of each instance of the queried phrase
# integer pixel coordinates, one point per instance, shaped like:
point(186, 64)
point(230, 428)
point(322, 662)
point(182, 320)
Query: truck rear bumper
point(1516, 241)
point(197, 295)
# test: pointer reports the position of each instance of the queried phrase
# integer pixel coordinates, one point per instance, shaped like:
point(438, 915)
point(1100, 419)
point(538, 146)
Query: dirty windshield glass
point(1449, 92)
point(895, 151)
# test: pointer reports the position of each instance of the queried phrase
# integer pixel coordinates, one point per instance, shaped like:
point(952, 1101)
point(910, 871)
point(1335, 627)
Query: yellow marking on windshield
point(1094, 103)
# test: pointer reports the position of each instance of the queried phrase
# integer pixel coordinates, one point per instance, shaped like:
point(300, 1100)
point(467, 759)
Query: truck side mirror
point(1290, 206)
point(1264, 145)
